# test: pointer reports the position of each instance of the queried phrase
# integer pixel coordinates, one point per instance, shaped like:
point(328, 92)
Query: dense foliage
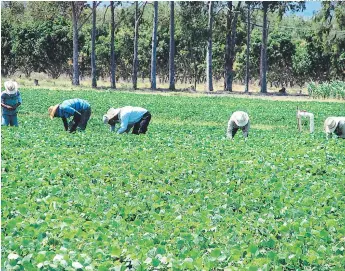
point(37, 36)
point(181, 197)
point(334, 89)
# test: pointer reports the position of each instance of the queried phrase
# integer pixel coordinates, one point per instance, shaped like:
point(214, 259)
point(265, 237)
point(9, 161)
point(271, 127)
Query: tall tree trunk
point(209, 48)
point(93, 45)
point(227, 67)
point(136, 37)
point(248, 47)
point(135, 57)
point(75, 80)
point(154, 46)
point(233, 44)
point(263, 59)
point(172, 48)
point(112, 45)
point(195, 74)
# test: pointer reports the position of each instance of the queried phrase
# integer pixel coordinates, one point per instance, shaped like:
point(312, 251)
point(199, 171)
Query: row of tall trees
point(193, 42)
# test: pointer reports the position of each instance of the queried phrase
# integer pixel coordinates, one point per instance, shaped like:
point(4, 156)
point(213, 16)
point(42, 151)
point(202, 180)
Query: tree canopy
point(38, 37)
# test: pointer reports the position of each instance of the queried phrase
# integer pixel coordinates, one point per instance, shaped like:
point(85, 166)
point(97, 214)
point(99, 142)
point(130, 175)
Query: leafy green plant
point(182, 197)
point(335, 89)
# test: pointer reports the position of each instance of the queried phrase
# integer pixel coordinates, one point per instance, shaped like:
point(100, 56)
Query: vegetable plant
point(181, 197)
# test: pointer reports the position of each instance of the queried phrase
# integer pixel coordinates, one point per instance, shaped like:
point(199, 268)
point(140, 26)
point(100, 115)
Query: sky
point(311, 8)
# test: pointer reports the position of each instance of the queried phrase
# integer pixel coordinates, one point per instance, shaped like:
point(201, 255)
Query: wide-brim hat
point(240, 118)
point(52, 110)
point(11, 87)
point(331, 124)
point(112, 112)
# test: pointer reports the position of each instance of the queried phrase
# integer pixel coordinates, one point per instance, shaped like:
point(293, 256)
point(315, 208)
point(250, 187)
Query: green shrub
point(335, 89)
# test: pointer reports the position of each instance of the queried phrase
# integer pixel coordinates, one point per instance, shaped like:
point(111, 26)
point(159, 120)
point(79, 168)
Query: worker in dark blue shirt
point(79, 109)
point(10, 101)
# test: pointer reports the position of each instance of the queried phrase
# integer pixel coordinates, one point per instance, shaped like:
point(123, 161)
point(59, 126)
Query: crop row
point(182, 197)
point(335, 89)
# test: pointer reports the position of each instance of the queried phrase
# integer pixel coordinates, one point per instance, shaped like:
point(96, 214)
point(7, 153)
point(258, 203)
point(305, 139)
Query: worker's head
point(111, 116)
point(52, 110)
point(240, 118)
point(331, 124)
point(11, 87)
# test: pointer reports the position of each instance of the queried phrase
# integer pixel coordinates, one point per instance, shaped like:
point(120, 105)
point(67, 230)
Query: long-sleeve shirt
point(232, 126)
point(11, 100)
point(128, 116)
point(68, 107)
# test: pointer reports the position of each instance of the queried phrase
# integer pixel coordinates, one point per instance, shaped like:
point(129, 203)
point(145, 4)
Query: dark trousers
point(234, 131)
point(11, 120)
point(84, 118)
point(141, 126)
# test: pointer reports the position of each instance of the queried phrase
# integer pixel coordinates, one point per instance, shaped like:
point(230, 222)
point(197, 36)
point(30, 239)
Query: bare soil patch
point(251, 95)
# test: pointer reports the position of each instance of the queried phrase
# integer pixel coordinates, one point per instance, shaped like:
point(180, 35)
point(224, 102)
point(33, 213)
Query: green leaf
point(215, 253)
point(155, 262)
point(115, 251)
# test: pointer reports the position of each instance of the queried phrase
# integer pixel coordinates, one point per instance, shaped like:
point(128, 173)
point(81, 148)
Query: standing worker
point(10, 101)
point(129, 117)
point(78, 108)
point(238, 120)
point(335, 125)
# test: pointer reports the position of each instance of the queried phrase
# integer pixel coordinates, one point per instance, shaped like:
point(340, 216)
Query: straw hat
point(112, 112)
point(240, 118)
point(331, 124)
point(11, 87)
point(52, 110)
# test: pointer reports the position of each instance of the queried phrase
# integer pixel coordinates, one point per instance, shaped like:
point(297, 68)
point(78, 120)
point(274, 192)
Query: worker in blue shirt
point(129, 117)
point(77, 108)
point(10, 101)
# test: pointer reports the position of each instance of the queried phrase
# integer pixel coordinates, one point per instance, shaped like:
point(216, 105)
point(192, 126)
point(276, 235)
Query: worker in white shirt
point(238, 120)
point(129, 117)
point(335, 125)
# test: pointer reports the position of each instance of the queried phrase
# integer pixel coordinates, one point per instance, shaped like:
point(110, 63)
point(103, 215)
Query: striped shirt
point(69, 107)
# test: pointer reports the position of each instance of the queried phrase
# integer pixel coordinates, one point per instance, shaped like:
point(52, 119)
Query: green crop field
point(181, 197)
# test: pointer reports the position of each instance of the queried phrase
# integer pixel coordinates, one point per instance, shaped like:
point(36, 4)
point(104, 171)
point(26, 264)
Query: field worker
point(238, 120)
point(78, 108)
point(129, 117)
point(10, 101)
point(335, 125)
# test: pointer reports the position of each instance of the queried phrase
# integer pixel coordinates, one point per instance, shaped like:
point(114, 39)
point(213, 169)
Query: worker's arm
point(245, 130)
point(75, 121)
point(124, 123)
point(230, 131)
point(65, 124)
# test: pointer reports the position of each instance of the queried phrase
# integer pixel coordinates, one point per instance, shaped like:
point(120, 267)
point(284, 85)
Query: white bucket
point(304, 114)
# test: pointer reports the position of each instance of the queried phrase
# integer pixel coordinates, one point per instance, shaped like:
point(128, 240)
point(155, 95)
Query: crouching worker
point(10, 101)
point(78, 108)
point(129, 117)
point(335, 125)
point(238, 120)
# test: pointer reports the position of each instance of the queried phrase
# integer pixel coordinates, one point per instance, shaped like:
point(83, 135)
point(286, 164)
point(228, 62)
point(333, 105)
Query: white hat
point(112, 112)
point(11, 87)
point(331, 124)
point(240, 118)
